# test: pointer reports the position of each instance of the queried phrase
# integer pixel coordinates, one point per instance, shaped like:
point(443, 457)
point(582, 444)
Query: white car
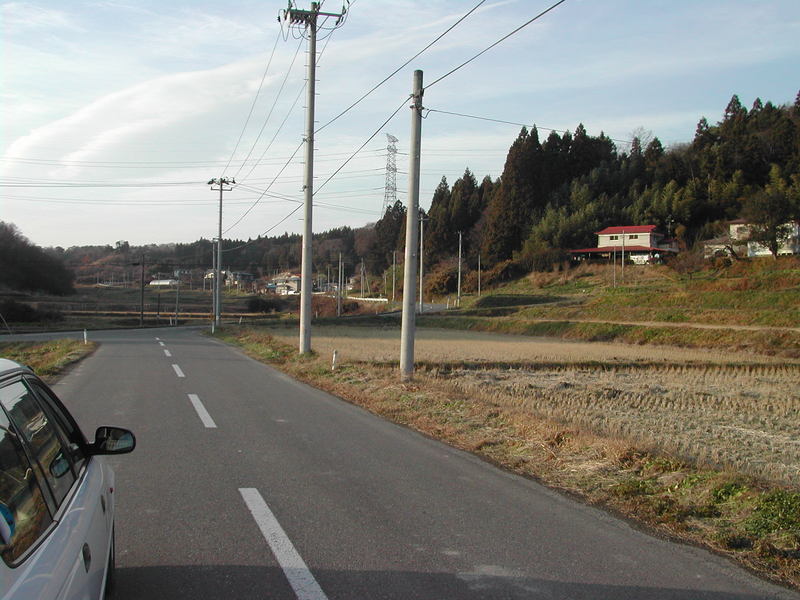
point(56, 495)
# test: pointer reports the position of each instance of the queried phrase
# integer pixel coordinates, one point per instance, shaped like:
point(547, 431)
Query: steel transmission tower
point(390, 195)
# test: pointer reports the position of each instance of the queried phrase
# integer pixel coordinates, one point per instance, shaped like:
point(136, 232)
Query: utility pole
point(214, 280)
point(222, 183)
point(408, 326)
point(141, 296)
point(177, 299)
point(421, 258)
point(614, 268)
point(307, 20)
point(339, 289)
point(479, 274)
point(458, 295)
point(394, 271)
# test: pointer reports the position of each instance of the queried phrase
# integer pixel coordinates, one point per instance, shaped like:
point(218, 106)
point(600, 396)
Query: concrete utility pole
point(307, 20)
point(339, 288)
point(394, 271)
point(479, 274)
point(214, 273)
point(177, 299)
point(141, 297)
point(408, 326)
point(614, 267)
point(458, 296)
point(421, 259)
point(222, 183)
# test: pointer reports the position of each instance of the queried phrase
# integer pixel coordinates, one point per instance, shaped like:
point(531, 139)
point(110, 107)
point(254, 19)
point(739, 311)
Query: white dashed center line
point(178, 371)
point(167, 353)
point(202, 412)
point(162, 344)
point(300, 577)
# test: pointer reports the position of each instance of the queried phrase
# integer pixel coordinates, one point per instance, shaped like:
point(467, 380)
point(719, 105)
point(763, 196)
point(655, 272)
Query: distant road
point(247, 484)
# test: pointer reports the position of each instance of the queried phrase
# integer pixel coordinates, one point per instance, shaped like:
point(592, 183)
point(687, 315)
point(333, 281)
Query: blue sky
point(116, 113)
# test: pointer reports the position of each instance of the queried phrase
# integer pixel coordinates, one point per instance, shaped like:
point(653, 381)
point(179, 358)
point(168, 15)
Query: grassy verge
point(770, 342)
point(753, 522)
point(48, 359)
point(752, 292)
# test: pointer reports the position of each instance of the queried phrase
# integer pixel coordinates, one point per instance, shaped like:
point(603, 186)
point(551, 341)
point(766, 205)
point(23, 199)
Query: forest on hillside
point(552, 196)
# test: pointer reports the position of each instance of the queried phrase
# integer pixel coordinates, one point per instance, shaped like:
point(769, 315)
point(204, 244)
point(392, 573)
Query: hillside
point(747, 304)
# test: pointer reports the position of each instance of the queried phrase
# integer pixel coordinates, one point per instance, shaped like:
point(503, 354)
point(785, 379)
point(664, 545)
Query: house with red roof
point(641, 244)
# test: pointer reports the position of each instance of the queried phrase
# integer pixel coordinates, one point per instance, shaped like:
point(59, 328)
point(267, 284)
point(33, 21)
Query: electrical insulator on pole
point(308, 22)
point(223, 185)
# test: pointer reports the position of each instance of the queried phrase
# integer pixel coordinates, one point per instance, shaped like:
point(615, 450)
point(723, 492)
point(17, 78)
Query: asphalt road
point(247, 484)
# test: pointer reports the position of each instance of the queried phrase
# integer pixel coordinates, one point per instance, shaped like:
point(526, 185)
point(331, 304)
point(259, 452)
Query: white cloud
point(22, 17)
point(118, 80)
point(146, 108)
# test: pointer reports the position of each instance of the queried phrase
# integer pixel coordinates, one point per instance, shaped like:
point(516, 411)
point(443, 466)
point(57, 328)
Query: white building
point(737, 240)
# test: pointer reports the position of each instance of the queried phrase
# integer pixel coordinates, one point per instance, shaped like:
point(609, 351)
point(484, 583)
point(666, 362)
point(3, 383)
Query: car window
point(65, 423)
point(40, 433)
point(23, 512)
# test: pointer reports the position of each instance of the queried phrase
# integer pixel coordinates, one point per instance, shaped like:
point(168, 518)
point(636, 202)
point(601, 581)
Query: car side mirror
point(112, 440)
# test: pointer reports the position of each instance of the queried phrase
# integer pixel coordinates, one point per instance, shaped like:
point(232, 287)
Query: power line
point(109, 202)
point(45, 184)
point(298, 207)
point(167, 164)
point(277, 97)
point(328, 204)
point(445, 112)
point(502, 39)
point(274, 137)
point(300, 92)
point(369, 139)
point(239, 220)
point(253, 105)
point(400, 68)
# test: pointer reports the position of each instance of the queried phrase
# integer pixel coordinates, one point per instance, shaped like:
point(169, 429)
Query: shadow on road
point(244, 582)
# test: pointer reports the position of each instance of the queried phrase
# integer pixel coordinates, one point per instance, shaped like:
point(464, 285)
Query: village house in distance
point(641, 244)
point(737, 242)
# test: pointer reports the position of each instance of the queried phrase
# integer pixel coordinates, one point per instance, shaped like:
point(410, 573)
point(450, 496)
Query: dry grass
point(744, 417)
point(735, 410)
point(458, 346)
point(47, 359)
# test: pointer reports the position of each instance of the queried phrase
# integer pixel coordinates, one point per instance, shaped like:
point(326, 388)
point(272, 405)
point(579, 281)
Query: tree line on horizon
point(552, 196)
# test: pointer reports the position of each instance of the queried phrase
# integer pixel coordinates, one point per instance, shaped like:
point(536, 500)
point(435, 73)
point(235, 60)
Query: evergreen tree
point(438, 229)
point(769, 212)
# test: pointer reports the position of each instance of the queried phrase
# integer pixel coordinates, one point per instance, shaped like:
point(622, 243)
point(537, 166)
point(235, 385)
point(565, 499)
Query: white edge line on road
point(178, 371)
point(167, 352)
point(300, 577)
point(202, 412)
